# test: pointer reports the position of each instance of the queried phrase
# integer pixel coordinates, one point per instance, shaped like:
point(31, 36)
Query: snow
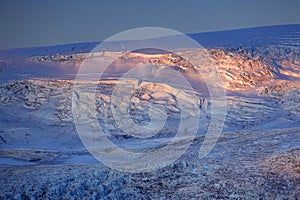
point(260, 71)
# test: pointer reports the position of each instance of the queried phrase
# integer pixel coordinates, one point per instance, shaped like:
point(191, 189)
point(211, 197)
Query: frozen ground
point(257, 156)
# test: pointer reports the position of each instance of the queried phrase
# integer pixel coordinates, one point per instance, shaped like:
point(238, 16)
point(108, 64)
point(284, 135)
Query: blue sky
point(41, 23)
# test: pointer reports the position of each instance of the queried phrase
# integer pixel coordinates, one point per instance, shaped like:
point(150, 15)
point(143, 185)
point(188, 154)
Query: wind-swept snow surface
point(257, 156)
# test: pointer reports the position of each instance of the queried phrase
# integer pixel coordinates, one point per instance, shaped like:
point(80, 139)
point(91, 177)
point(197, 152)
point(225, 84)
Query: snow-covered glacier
point(256, 157)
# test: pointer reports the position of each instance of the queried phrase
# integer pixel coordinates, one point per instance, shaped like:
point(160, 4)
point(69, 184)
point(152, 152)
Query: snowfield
point(256, 157)
point(243, 165)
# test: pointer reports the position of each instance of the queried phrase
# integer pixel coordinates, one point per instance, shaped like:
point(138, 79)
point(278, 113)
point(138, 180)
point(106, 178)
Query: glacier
point(256, 157)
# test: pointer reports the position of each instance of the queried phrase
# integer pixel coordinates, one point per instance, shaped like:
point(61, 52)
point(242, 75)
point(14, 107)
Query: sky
point(45, 23)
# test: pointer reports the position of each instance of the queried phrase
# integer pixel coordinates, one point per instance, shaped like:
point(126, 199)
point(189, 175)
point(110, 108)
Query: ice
point(257, 155)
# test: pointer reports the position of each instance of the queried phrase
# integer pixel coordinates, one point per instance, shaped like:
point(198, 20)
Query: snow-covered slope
point(280, 35)
point(262, 83)
point(260, 69)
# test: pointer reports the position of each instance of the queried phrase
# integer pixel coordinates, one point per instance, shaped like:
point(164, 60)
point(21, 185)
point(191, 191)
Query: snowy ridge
point(259, 94)
point(280, 35)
